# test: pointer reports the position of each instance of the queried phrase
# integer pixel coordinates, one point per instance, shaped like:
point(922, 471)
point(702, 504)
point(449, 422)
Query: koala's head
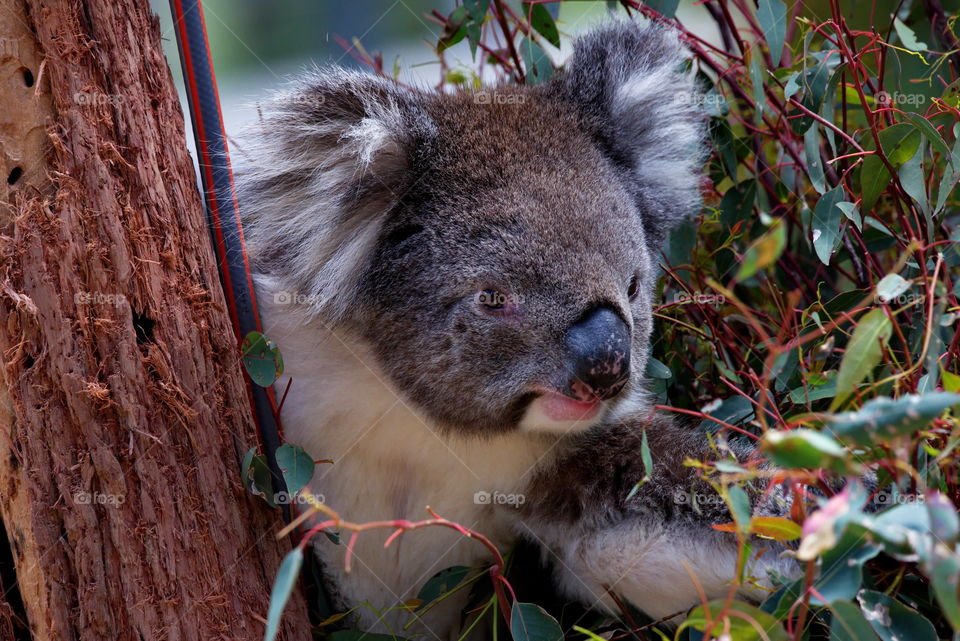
point(497, 250)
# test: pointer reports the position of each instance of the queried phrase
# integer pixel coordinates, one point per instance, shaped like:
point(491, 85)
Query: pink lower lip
point(563, 408)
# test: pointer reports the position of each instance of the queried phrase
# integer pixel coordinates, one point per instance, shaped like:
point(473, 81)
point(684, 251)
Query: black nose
point(599, 350)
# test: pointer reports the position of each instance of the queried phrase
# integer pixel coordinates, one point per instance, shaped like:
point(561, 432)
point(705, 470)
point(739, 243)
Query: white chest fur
point(391, 463)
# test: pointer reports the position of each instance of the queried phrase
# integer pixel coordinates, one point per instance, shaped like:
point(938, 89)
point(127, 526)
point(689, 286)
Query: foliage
point(810, 306)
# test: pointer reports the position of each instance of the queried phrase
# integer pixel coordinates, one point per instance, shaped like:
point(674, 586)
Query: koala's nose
point(599, 350)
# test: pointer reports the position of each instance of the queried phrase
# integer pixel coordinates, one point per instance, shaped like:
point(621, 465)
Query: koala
point(462, 288)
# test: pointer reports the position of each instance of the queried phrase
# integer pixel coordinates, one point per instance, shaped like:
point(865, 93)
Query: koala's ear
point(318, 176)
point(633, 97)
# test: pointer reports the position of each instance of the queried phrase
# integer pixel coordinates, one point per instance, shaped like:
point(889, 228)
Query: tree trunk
point(123, 411)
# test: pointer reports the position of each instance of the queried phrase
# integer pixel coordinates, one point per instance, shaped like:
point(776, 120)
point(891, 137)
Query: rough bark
point(124, 413)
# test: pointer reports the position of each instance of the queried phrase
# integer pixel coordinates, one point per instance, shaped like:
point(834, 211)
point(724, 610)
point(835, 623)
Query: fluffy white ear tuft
point(319, 175)
point(627, 83)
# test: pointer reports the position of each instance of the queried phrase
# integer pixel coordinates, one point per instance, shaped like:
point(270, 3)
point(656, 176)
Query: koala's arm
point(646, 548)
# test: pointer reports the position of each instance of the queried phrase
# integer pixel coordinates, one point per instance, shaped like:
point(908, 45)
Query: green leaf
point(261, 359)
point(543, 23)
point(753, 624)
point(931, 134)
point(849, 624)
point(891, 286)
point(944, 522)
point(826, 224)
point(801, 395)
point(645, 457)
point(874, 178)
point(811, 151)
point(951, 94)
point(892, 620)
point(442, 582)
point(864, 351)
point(756, 79)
point(257, 477)
point(656, 369)
point(775, 527)
point(940, 562)
point(477, 8)
point(734, 410)
point(885, 418)
point(530, 622)
point(912, 178)
point(841, 568)
point(850, 211)
point(950, 177)
point(951, 382)
point(899, 143)
point(478, 12)
point(647, 461)
point(908, 37)
point(296, 466)
point(538, 65)
point(802, 449)
point(815, 80)
point(764, 251)
point(740, 507)
point(772, 15)
point(667, 8)
point(454, 30)
point(282, 588)
point(793, 85)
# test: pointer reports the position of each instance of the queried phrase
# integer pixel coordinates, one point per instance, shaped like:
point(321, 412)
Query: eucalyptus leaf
point(262, 359)
point(530, 622)
point(442, 582)
point(863, 353)
point(296, 466)
point(892, 620)
point(884, 418)
point(542, 22)
point(282, 588)
point(891, 286)
point(826, 224)
point(803, 448)
point(753, 624)
point(908, 37)
point(772, 15)
point(849, 624)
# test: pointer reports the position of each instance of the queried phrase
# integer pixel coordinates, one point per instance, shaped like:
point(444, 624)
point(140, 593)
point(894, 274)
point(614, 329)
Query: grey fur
point(387, 209)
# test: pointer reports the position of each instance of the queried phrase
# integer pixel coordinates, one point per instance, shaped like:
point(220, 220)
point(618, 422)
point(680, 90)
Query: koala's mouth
point(551, 411)
point(558, 407)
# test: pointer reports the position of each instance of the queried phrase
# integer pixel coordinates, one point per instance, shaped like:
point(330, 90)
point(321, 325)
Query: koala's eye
point(401, 234)
point(633, 289)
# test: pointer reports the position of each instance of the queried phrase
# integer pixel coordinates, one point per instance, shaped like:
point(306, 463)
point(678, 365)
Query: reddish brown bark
point(124, 414)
